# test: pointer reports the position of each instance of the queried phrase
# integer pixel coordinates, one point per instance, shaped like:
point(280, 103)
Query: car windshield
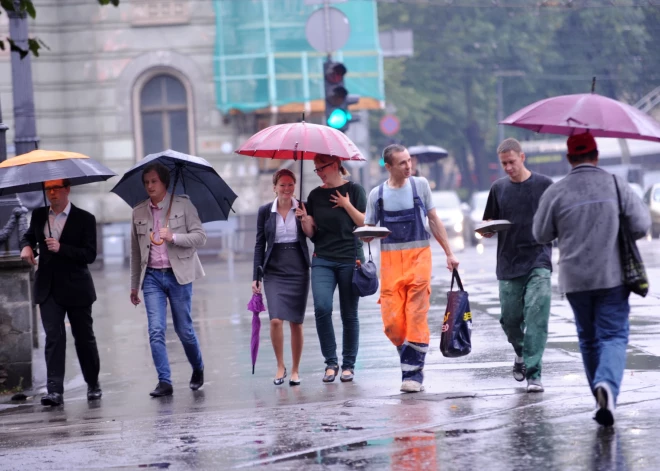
point(656, 194)
point(445, 200)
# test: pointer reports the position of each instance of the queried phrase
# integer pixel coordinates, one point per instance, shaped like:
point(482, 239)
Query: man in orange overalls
point(400, 205)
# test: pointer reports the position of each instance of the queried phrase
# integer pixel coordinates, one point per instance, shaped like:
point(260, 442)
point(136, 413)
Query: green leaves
point(34, 45)
point(446, 94)
point(20, 6)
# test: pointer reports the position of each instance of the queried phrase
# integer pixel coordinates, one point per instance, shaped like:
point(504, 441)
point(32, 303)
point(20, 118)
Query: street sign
point(390, 125)
point(327, 34)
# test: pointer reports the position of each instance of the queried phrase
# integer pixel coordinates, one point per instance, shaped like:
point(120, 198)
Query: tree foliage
point(446, 94)
point(27, 7)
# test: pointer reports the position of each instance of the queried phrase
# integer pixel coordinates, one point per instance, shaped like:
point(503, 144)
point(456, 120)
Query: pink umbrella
point(256, 305)
point(300, 141)
point(574, 114)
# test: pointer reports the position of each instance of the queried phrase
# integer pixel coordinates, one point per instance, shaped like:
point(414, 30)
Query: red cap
point(580, 144)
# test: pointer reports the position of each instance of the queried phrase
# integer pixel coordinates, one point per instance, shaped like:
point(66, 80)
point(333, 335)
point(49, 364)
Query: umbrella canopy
point(256, 305)
point(192, 176)
point(29, 171)
point(574, 114)
point(426, 154)
point(300, 141)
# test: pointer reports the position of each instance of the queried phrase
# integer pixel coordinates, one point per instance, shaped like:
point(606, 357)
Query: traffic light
point(337, 98)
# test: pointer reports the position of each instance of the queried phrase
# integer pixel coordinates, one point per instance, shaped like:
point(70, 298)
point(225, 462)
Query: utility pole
point(25, 125)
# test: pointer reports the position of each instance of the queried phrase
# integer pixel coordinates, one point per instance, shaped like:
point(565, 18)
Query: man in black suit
point(65, 237)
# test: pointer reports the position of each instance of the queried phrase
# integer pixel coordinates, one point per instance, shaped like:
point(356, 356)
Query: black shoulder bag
point(634, 273)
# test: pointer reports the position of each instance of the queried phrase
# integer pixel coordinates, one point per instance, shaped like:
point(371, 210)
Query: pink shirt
point(158, 253)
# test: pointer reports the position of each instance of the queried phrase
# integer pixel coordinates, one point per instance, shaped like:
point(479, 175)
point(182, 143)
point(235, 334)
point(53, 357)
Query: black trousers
point(80, 318)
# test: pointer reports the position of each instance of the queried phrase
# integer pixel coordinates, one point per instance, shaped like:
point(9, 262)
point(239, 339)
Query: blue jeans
point(158, 287)
point(601, 317)
point(326, 276)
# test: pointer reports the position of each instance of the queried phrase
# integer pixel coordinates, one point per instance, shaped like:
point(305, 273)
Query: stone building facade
point(119, 83)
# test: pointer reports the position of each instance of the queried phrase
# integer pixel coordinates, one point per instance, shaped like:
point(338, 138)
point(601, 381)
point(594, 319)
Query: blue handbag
point(365, 275)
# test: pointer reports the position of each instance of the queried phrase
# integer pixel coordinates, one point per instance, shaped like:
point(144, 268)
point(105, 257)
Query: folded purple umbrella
point(256, 305)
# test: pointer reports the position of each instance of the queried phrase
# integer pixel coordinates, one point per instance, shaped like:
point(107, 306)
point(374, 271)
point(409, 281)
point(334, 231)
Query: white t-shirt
point(397, 199)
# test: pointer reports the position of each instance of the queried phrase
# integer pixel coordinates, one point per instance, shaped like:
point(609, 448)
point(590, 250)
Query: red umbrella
point(300, 141)
point(574, 114)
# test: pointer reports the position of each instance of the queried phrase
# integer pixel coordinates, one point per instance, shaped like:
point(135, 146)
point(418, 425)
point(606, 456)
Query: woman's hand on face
point(256, 287)
point(339, 200)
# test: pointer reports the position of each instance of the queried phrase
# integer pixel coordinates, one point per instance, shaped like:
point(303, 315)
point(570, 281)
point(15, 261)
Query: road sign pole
point(328, 28)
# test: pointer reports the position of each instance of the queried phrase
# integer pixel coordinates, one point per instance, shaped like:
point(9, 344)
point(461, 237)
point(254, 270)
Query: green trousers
point(525, 303)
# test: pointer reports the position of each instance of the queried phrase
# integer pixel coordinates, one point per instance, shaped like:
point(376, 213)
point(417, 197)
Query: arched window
point(164, 115)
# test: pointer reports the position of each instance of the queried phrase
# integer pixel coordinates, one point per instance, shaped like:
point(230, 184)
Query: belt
point(161, 270)
point(286, 245)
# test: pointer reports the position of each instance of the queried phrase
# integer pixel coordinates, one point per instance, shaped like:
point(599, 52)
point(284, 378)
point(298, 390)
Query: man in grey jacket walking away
point(582, 212)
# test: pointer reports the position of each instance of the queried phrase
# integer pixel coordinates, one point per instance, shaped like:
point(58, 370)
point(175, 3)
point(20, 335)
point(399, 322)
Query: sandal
point(345, 378)
point(330, 378)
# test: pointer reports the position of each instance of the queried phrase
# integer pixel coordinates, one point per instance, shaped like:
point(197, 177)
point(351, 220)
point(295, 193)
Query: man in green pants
point(523, 266)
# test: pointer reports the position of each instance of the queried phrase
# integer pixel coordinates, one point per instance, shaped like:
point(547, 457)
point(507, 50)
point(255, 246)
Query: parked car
point(477, 208)
point(448, 208)
point(652, 200)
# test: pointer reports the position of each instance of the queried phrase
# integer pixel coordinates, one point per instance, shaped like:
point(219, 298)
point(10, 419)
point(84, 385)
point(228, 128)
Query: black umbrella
point(192, 176)
point(28, 172)
point(427, 154)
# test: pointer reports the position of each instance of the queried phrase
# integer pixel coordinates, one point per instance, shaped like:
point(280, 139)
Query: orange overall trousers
point(406, 283)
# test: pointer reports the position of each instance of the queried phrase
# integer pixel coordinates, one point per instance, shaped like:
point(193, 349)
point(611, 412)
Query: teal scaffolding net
point(264, 62)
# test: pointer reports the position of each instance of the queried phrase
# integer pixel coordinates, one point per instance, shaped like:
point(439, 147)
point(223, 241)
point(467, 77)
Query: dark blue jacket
point(266, 223)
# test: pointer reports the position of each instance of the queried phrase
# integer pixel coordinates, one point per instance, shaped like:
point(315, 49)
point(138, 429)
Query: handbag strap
point(356, 254)
point(454, 275)
point(618, 194)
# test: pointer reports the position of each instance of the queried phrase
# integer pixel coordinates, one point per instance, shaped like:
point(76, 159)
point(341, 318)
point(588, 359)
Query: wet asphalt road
point(473, 415)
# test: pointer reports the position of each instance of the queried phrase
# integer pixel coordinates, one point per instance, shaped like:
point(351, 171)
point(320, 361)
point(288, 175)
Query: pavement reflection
point(472, 416)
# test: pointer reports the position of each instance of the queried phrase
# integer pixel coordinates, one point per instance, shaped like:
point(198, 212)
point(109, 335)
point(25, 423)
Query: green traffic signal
point(338, 118)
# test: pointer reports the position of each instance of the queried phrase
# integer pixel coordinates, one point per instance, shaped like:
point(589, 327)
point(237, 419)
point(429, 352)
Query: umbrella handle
point(167, 223)
point(260, 274)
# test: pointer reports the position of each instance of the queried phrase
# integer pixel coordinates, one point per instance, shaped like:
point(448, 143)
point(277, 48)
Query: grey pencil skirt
point(286, 283)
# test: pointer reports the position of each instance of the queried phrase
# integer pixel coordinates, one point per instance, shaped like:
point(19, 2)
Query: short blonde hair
point(326, 159)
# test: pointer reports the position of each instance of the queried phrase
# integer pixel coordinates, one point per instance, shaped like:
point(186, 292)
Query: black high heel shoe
point(278, 381)
point(331, 378)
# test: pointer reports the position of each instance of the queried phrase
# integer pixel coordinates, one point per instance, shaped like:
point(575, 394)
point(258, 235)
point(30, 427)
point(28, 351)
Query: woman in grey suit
point(281, 250)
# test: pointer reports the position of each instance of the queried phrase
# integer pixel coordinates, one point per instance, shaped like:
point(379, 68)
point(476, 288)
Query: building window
point(165, 117)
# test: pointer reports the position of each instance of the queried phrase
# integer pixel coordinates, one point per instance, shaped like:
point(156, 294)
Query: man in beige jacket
point(164, 263)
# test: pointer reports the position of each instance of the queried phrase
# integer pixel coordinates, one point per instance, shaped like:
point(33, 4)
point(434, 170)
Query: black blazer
point(266, 222)
point(64, 274)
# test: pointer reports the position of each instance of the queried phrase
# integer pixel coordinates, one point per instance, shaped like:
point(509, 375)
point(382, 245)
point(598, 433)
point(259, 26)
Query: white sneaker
point(534, 385)
point(605, 413)
point(411, 386)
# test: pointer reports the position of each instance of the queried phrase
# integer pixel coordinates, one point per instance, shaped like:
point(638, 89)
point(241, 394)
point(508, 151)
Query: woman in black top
point(332, 212)
point(281, 250)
